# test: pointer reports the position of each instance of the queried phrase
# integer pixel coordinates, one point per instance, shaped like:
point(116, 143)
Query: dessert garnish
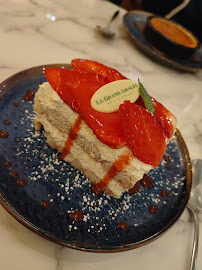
point(143, 132)
point(108, 97)
point(146, 98)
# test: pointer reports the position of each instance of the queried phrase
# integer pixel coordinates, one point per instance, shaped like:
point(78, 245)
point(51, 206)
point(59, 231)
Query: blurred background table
point(37, 32)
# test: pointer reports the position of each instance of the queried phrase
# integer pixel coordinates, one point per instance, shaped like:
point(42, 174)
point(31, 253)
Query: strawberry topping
point(53, 76)
point(166, 118)
point(76, 89)
point(95, 67)
point(143, 132)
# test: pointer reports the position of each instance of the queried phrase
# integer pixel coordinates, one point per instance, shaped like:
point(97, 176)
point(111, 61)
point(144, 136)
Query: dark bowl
point(170, 37)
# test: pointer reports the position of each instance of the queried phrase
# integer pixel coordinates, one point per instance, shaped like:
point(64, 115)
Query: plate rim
point(149, 51)
point(7, 81)
point(50, 236)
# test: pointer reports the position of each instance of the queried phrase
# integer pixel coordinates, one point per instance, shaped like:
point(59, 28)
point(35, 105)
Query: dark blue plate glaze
point(134, 23)
point(67, 189)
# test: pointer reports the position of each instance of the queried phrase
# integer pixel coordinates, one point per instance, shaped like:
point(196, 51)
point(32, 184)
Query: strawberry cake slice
point(113, 149)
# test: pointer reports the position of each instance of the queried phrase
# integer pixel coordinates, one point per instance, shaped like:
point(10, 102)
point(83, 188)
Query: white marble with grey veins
point(37, 32)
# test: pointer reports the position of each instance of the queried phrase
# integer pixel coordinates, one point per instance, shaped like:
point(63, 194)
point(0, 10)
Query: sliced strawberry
point(53, 76)
point(76, 89)
point(95, 67)
point(57, 77)
point(166, 118)
point(143, 133)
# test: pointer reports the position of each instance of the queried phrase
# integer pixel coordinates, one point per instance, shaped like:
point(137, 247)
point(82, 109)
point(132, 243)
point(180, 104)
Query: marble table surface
point(35, 32)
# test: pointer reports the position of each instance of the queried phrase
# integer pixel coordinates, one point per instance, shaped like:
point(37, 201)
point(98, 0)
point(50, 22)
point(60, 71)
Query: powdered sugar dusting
point(50, 169)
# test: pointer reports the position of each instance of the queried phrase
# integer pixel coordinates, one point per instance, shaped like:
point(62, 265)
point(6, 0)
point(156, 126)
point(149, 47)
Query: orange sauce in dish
point(174, 32)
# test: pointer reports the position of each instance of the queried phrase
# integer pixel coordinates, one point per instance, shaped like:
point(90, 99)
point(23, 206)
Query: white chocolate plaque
point(109, 97)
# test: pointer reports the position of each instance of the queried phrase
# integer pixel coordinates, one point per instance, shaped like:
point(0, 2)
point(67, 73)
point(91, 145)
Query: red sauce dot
point(60, 157)
point(135, 188)
point(13, 174)
point(15, 104)
point(123, 226)
point(153, 209)
point(168, 167)
point(164, 193)
point(29, 95)
point(7, 163)
point(97, 189)
point(21, 182)
point(76, 215)
point(166, 158)
point(3, 134)
point(147, 182)
point(7, 122)
point(45, 204)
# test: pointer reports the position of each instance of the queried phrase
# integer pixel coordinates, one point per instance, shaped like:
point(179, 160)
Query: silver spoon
point(177, 9)
point(195, 206)
point(106, 30)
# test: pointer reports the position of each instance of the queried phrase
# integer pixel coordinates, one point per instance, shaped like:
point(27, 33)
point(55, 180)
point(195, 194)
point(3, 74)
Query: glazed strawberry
point(95, 67)
point(76, 89)
point(166, 118)
point(57, 78)
point(143, 132)
point(53, 76)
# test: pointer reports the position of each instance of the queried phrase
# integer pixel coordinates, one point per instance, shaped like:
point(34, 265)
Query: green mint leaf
point(146, 98)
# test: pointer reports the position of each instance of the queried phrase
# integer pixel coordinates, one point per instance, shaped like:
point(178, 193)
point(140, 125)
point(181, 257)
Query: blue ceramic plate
point(134, 23)
point(41, 192)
